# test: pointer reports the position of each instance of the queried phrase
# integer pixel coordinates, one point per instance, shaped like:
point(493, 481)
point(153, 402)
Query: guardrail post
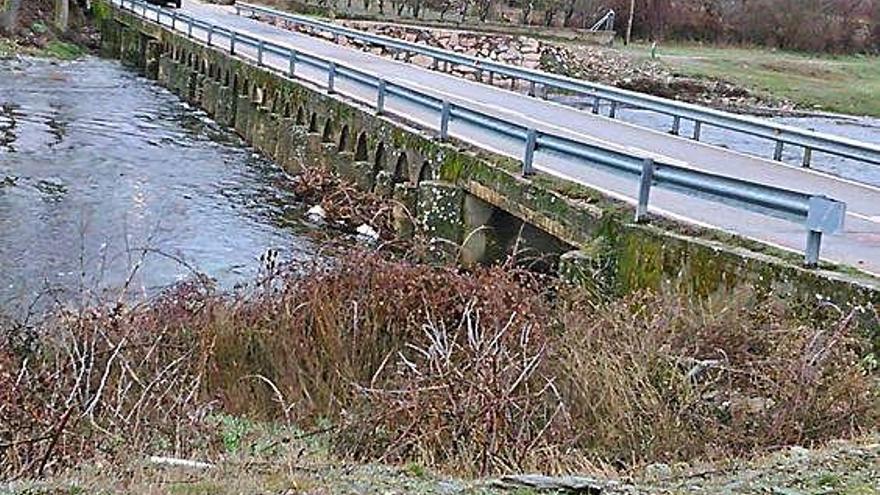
point(445, 113)
point(435, 64)
point(173, 20)
point(158, 16)
point(647, 179)
point(380, 97)
point(596, 103)
point(210, 34)
point(232, 43)
point(237, 10)
point(824, 215)
point(808, 157)
point(331, 77)
point(189, 27)
point(529, 155)
point(532, 88)
point(292, 63)
point(491, 78)
point(676, 125)
point(698, 130)
point(260, 46)
point(613, 111)
point(777, 153)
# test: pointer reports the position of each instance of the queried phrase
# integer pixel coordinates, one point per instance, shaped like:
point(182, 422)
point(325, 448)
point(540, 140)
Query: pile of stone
point(592, 63)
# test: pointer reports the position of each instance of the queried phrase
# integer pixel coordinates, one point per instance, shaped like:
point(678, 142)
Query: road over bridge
point(857, 245)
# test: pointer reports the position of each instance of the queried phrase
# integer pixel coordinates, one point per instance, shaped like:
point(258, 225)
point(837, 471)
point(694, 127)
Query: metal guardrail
point(781, 135)
point(818, 213)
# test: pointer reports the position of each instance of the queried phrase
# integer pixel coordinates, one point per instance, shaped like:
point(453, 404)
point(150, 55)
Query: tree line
point(811, 25)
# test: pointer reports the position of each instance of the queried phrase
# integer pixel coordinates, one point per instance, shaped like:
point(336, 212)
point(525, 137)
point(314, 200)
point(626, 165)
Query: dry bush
point(346, 204)
point(479, 371)
point(654, 378)
point(474, 397)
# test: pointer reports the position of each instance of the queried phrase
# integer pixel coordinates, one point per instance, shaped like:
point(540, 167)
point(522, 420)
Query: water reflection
point(102, 171)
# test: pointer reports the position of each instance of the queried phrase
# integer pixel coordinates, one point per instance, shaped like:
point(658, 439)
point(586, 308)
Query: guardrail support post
point(814, 245)
point(613, 111)
point(260, 47)
point(292, 63)
point(445, 113)
point(532, 88)
point(158, 16)
point(491, 78)
point(808, 157)
point(777, 153)
point(698, 130)
point(232, 43)
point(529, 155)
point(380, 97)
point(189, 28)
point(331, 77)
point(596, 102)
point(435, 64)
point(210, 34)
point(647, 179)
point(173, 20)
point(676, 125)
point(237, 10)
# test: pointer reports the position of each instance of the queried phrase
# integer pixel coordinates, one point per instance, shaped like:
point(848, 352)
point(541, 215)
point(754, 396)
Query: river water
point(102, 171)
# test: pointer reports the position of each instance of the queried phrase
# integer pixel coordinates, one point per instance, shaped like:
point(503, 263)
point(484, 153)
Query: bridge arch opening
point(360, 151)
point(327, 135)
point(379, 159)
point(401, 169)
point(344, 139)
point(313, 122)
point(425, 172)
point(300, 116)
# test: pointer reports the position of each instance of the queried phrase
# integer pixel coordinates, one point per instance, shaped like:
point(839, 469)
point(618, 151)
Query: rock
point(367, 233)
point(316, 214)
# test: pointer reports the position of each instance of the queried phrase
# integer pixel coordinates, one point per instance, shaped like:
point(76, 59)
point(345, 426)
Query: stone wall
point(447, 189)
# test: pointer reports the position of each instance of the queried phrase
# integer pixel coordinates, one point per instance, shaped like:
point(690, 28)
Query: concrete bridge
point(451, 151)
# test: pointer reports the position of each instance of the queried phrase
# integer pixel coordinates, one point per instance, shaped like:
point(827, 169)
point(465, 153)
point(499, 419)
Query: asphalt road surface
point(858, 245)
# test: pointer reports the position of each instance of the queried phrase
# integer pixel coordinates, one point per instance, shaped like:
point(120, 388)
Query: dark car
point(176, 3)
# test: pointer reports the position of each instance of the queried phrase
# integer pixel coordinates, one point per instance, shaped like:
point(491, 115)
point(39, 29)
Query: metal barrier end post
point(824, 216)
point(529, 155)
point(647, 179)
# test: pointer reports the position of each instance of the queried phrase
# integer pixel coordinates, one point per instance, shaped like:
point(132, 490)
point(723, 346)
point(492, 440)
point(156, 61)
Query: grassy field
point(845, 84)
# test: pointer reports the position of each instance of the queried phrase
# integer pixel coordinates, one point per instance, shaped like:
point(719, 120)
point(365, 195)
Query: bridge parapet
point(301, 124)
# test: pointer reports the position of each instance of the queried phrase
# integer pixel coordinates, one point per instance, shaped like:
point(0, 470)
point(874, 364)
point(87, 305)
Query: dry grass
point(476, 372)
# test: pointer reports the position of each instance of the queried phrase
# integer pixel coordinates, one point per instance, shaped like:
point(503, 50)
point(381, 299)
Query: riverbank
point(35, 33)
point(818, 83)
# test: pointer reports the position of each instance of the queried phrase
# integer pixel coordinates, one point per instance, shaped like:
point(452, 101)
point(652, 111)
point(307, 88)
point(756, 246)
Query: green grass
point(63, 51)
point(844, 84)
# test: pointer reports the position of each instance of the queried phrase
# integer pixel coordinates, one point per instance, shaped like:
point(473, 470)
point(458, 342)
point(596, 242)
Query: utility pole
point(62, 14)
point(629, 24)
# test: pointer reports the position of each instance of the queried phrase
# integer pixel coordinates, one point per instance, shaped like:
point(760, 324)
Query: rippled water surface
point(100, 167)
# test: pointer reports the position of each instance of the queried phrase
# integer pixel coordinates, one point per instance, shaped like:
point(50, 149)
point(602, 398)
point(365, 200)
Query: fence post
point(173, 20)
point(529, 155)
point(532, 88)
point(210, 34)
point(698, 130)
point(613, 111)
point(596, 103)
point(232, 43)
point(189, 27)
point(647, 179)
point(331, 77)
point(445, 114)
